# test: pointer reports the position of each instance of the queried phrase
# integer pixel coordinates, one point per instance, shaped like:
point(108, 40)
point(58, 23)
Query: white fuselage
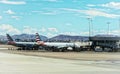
point(59, 44)
point(30, 43)
point(25, 44)
point(62, 45)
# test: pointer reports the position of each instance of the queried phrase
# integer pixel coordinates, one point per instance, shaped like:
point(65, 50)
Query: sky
point(54, 17)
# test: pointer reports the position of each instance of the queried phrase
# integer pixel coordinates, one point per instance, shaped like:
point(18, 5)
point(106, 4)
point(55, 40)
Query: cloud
point(46, 12)
point(15, 17)
point(68, 24)
point(10, 12)
point(105, 32)
point(99, 13)
point(52, 0)
point(12, 2)
point(91, 5)
point(75, 0)
point(52, 30)
point(70, 33)
point(91, 12)
point(0, 17)
point(81, 1)
point(42, 29)
point(115, 32)
point(49, 13)
point(115, 5)
point(30, 30)
point(6, 28)
point(112, 32)
point(51, 35)
point(84, 33)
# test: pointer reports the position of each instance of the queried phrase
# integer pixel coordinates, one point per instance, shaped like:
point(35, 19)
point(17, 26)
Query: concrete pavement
point(20, 64)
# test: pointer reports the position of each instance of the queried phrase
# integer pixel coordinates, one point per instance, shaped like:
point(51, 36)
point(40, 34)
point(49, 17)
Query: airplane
point(57, 46)
point(22, 45)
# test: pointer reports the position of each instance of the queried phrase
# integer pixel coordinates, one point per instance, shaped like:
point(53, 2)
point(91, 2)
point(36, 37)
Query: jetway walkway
point(112, 43)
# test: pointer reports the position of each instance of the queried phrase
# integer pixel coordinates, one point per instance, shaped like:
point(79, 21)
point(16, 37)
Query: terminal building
point(112, 43)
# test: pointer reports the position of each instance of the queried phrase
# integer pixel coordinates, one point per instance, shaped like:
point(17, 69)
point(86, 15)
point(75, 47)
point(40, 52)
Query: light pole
point(92, 27)
point(119, 26)
point(108, 28)
point(89, 20)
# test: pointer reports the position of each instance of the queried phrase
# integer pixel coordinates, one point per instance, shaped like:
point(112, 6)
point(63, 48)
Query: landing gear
point(115, 50)
point(58, 49)
point(10, 48)
point(76, 49)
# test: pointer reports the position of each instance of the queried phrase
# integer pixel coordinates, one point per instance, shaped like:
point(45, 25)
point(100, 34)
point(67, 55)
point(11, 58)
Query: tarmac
point(11, 63)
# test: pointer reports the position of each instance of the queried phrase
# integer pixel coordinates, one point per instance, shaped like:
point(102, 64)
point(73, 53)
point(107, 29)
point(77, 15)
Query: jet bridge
point(111, 43)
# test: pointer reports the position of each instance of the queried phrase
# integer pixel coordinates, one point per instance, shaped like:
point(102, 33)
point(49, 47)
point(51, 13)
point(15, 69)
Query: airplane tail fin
point(9, 38)
point(38, 39)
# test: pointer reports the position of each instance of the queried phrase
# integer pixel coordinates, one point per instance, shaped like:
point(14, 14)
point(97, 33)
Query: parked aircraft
point(57, 46)
point(22, 45)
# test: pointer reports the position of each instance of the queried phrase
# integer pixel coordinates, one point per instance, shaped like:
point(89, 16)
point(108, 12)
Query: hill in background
point(59, 38)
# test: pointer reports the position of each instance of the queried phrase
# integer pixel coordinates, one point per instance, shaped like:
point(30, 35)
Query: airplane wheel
point(77, 49)
point(115, 50)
